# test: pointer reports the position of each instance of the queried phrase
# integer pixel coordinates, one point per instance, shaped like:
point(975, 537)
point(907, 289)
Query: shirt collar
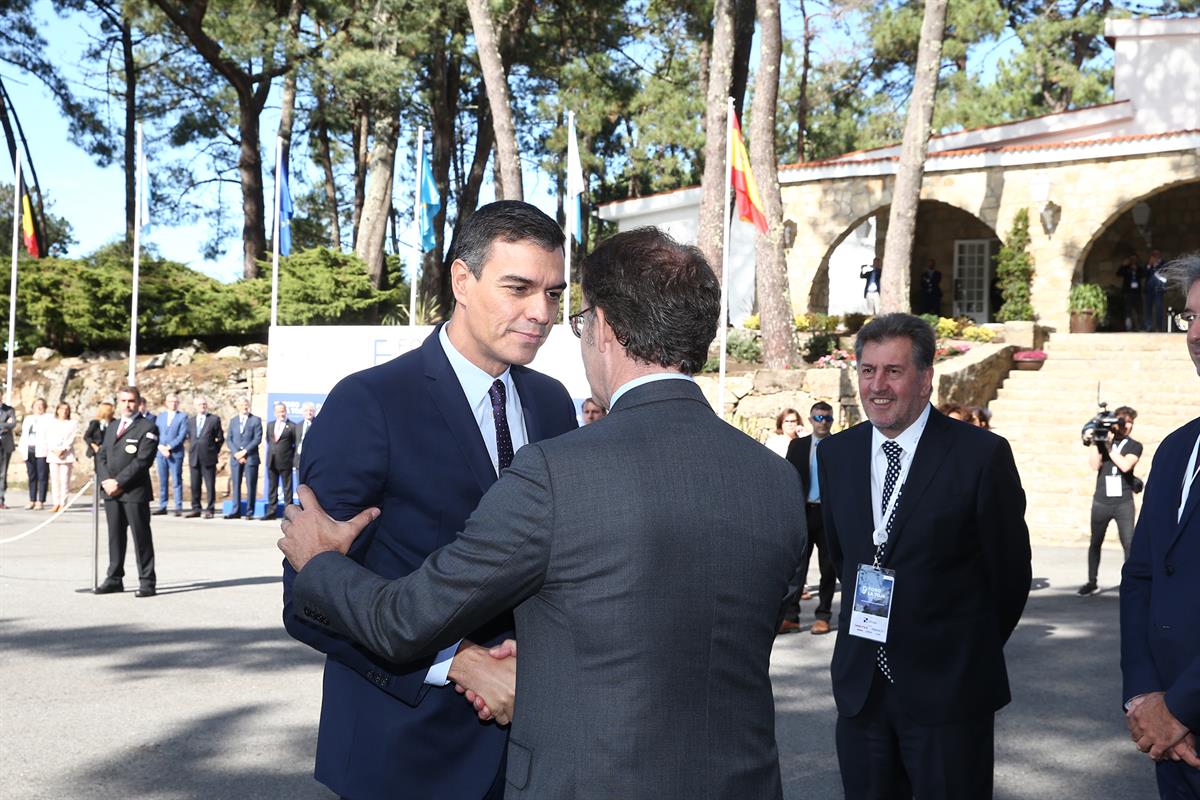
point(644, 379)
point(475, 382)
point(907, 440)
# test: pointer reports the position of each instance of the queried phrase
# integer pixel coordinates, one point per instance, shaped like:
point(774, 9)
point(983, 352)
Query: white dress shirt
point(636, 382)
point(476, 384)
point(908, 440)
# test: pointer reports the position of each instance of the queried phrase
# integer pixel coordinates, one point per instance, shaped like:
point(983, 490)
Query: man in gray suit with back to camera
point(647, 555)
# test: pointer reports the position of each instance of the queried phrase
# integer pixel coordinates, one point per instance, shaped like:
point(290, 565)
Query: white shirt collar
point(475, 382)
point(643, 380)
point(908, 439)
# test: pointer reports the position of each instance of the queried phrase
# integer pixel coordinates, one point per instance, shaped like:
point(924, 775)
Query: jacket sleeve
point(218, 434)
point(353, 422)
point(8, 421)
point(1004, 537)
point(498, 561)
point(1138, 673)
point(256, 435)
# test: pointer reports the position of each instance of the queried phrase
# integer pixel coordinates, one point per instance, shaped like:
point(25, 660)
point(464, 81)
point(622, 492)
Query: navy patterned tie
point(892, 451)
point(504, 448)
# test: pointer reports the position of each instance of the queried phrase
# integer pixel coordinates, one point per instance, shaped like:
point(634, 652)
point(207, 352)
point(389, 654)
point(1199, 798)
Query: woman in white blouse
point(60, 446)
point(33, 446)
point(787, 428)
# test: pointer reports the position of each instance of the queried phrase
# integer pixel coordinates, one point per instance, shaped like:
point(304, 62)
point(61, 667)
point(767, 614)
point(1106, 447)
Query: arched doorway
point(1166, 220)
point(962, 248)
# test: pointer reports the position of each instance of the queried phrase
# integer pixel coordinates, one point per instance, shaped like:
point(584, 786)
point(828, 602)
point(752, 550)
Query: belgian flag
point(31, 229)
point(31, 233)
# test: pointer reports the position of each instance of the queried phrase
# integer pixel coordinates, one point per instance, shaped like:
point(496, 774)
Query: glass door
point(972, 277)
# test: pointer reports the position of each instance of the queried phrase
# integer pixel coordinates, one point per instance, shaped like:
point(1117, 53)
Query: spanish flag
point(745, 190)
point(29, 231)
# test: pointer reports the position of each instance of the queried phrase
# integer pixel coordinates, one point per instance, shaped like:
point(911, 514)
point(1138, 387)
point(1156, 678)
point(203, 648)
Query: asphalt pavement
point(199, 692)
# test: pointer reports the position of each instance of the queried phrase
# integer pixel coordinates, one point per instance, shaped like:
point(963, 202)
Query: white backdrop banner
point(305, 362)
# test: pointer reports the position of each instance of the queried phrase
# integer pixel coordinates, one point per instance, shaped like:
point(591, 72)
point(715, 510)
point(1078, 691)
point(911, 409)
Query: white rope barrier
point(44, 523)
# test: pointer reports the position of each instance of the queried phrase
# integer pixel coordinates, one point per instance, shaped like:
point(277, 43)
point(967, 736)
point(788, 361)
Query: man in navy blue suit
point(1160, 604)
point(422, 437)
point(245, 434)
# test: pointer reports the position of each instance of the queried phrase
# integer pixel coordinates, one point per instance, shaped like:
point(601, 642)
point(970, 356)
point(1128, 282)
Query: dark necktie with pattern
point(892, 451)
point(504, 448)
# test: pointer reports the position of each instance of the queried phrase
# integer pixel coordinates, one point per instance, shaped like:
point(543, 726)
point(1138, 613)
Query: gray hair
point(896, 326)
point(1184, 271)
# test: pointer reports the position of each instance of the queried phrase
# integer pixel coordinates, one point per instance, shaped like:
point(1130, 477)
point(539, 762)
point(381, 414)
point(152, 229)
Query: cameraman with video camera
point(1113, 456)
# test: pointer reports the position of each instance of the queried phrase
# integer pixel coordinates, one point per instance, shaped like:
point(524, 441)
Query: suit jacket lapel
point(931, 450)
point(447, 395)
point(1179, 469)
point(529, 405)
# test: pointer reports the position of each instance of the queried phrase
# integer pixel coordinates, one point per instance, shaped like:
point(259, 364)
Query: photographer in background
point(1113, 457)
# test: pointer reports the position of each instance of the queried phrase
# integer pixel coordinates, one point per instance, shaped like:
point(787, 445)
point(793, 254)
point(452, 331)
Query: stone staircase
point(1042, 412)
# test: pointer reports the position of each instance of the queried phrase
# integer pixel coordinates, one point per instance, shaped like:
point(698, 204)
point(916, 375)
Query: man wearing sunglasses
point(802, 454)
point(647, 582)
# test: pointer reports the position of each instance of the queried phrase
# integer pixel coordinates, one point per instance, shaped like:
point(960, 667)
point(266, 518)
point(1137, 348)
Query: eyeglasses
point(792, 420)
point(576, 321)
point(822, 417)
point(1185, 319)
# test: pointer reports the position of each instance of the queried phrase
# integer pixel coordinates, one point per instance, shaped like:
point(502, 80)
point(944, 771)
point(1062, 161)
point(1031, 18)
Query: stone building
point(1098, 182)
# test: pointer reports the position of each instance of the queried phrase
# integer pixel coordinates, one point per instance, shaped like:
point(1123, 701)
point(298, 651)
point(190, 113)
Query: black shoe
point(1088, 588)
point(177, 512)
point(191, 514)
point(208, 515)
point(158, 512)
point(233, 516)
point(109, 587)
point(265, 519)
point(145, 591)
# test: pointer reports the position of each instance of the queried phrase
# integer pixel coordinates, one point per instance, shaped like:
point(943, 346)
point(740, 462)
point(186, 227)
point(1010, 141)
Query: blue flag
point(285, 215)
point(430, 204)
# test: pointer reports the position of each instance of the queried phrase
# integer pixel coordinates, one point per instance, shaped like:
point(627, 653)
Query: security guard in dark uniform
point(123, 469)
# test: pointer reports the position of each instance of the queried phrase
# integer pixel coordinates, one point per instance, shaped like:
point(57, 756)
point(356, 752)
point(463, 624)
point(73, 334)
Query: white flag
point(575, 185)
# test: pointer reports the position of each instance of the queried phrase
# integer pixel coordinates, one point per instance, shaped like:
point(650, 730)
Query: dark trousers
point(1155, 318)
point(885, 755)
point(828, 580)
point(38, 472)
point(1102, 514)
point(5, 457)
point(170, 471)
point(1177, 781)
point(1133, 309)
point(135, 517)
point(273, 477)
point(236, 472)
point(208, 474)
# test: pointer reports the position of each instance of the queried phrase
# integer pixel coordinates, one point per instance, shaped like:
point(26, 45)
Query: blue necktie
point(504, 447)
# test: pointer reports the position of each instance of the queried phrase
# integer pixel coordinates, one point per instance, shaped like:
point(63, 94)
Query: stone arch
point(1171, 224)
point(932, 212)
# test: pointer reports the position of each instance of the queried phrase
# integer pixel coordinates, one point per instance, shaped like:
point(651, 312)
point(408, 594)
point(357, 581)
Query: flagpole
point(722, 334)
point(572, 222)
point(417, 252)
point(12, 281)
point(275, 235)
point(137, 261)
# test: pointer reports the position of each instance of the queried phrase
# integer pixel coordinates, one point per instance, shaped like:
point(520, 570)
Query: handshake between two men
point(487, 677)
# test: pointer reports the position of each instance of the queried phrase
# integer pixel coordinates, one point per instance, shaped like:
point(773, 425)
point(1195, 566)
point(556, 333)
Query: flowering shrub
point(975, 333)
point(752, 322)
point(1029, 355)
point(842, 359)
point(945, 351)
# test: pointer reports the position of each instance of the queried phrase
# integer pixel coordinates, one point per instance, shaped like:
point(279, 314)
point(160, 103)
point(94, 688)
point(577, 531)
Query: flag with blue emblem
point(430, 204)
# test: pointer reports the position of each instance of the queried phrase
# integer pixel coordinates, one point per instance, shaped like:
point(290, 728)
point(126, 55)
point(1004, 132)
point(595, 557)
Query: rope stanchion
point(55, 516)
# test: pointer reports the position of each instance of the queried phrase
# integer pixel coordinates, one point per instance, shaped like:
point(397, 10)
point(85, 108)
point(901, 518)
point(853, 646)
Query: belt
point(811, 504)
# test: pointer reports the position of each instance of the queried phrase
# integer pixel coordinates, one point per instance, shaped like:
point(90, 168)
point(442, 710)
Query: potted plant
point(1029, 359)
point(1088, 305)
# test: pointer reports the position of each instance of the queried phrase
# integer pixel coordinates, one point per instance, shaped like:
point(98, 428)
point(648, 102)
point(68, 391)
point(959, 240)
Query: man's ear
point(602, 332)
point(460, 277)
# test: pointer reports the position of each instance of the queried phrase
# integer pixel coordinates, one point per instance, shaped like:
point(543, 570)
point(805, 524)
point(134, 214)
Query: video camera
point(1100, 428)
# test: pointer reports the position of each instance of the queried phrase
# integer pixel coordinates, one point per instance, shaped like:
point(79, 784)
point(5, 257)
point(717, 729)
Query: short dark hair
point(133, 390)
point(899, 325)
point(506, 221)
point(660, 297)
point(1126, 413)
point(820, 405)
point(1184, 271)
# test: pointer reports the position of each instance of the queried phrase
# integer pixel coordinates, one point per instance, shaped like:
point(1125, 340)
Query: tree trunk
point(287, 100)
point(131, 166)
point(494, 78)
point(325, 156)
point(468, 201)
point(805, 67)
point(771, 279)
point(743, 41)
point(361, 139)
point(906, 196)
point(712, 199)
point(372, 227)
point(254, 236)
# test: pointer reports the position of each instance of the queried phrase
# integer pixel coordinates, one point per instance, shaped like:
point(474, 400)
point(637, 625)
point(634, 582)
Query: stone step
point(1114, 341)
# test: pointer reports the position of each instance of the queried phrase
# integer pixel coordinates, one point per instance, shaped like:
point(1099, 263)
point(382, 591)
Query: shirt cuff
point(441, 666)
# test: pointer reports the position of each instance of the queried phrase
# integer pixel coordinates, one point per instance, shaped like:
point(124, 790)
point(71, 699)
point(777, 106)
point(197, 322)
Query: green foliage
point(817, 322)
point(854, 321)
point(947, 328)
point(931, 320)
point(820, 345)
point(1088, 297)
point(56, 231)
point(1014, 272)
point(322, 286)
point(743, 345)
